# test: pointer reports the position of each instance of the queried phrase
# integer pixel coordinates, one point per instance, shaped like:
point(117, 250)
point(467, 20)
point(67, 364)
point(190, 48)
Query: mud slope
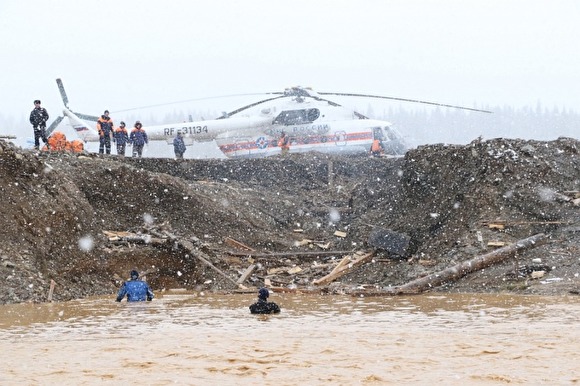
point(443, 197)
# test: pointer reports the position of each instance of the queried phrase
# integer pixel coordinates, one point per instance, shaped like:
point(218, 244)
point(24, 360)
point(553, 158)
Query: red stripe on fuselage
point(299, 141)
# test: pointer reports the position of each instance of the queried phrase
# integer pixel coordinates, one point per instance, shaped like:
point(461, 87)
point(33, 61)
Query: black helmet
point(263, 293)
point(122, 123)
point(134, 275)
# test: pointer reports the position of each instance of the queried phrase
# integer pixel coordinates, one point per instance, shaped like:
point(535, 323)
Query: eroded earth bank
point(84, 221)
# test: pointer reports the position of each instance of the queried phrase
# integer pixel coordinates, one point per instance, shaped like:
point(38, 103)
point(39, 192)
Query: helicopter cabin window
point(378, 133)
point(297, 117)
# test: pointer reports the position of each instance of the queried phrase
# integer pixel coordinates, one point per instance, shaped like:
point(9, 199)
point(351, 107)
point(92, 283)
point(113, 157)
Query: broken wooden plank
point(322, 245)
point(457, 271)
point(496, 243)
point(188, 245)
point(345, 260)
point(290, 254)
point(236, 244)
point(501, 224)
point(246, 274)
point(119, 234)
point(51, 289)
point(138, 239)
point(344, 269)
point(572, 193)
point(293, 290)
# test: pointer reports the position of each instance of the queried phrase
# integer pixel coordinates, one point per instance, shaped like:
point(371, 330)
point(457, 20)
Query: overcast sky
point(114, 54)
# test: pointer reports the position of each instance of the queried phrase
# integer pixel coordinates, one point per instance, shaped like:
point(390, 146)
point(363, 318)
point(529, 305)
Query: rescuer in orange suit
point(284, 143)
point(121, 138)
point(377, 148)
point(105, 129)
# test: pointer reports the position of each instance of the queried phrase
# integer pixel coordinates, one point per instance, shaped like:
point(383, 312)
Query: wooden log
point(200, 256)
point(345, 260)
point(51, 290)
point(343, 268)
point(457, 271)
point(236, 244)
point(246, 274)
point(288, 254)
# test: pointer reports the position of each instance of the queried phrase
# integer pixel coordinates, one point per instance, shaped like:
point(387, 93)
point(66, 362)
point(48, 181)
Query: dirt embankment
point(452, 202)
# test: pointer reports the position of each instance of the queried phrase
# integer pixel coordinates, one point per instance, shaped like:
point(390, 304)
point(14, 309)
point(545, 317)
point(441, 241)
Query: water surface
point(193, 339)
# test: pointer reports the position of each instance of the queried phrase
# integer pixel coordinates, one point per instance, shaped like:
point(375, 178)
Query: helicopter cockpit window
point(391, 134)
point(297, 117)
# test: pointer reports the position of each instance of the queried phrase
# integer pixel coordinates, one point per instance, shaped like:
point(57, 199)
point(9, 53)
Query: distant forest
point(443, 125)
point(418, 126)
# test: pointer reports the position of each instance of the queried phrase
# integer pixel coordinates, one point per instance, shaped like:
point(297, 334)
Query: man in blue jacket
point(138, 139)
point(179, 146)
point(136, 290)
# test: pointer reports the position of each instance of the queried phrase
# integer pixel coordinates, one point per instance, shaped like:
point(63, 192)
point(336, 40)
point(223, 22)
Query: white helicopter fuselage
point(192, 131)
point(311, 123)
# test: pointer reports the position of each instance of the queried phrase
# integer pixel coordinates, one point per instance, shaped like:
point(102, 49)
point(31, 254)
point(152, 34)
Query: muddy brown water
point(196, 339)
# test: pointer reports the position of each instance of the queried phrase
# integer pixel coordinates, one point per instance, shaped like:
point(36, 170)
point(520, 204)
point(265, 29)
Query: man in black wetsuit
point(263, 306)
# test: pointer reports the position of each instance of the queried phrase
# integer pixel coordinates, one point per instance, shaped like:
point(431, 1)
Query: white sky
point(118, 54)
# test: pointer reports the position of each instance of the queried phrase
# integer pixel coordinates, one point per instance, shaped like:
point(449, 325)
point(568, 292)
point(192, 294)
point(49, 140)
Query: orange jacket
point(376, 146)
point(105, 126)
point(284, 142)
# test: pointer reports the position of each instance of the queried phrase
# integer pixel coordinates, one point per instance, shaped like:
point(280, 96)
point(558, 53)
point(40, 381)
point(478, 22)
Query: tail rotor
point(59, 119)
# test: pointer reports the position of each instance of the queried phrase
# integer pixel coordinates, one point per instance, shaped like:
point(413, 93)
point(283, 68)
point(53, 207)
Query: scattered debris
point(346, 265)
point(244, 212)
point(459, 270)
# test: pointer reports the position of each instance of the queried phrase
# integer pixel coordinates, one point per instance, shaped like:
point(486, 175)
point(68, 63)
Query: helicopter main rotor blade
point(188, 100)
point(87, 117)
point(62, 92)
point(53, 125)
point(405, 100)
point(227, 115)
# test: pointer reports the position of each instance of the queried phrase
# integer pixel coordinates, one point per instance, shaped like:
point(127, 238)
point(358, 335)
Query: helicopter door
point(340, 138)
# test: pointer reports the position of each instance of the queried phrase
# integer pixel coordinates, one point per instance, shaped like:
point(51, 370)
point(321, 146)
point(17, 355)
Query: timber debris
point(457, 271)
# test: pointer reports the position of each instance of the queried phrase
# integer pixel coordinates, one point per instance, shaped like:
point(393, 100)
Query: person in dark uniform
point(263, 306)
point(121, 138)
point(105, 129)
point(136, 290)
point(138, 139)
point(38, 118)
point(179, 146)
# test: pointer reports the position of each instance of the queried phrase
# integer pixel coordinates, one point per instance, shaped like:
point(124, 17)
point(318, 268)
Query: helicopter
point(311, 122)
